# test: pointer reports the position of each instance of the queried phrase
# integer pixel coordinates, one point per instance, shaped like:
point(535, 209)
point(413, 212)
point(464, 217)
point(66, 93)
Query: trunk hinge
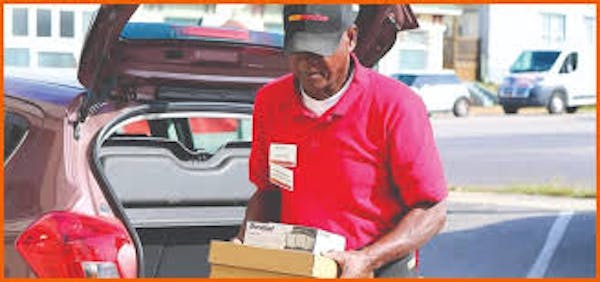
point(91, 103)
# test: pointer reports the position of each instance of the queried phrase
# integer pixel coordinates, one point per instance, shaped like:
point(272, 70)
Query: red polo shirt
point(360, 166)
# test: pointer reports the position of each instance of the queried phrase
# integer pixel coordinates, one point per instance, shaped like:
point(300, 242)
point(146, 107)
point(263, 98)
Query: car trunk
point(176, 199)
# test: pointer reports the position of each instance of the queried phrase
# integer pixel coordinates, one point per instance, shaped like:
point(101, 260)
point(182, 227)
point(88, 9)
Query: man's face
point(322, 76)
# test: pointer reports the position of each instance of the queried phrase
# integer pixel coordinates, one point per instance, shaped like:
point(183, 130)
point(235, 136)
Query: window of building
point(67, 24)
point(16, 57)
point(86, 20)
point(44, 23)
point(590, 29)
point(553, 28)
point(56, 60)
point(19, 21)
point(15, 129)
point(413, 59)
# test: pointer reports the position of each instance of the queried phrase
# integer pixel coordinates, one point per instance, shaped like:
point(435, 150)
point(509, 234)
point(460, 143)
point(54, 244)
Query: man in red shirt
point(342, 148)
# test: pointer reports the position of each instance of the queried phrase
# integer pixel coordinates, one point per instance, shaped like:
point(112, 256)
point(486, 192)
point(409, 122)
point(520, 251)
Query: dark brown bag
point(378, 27)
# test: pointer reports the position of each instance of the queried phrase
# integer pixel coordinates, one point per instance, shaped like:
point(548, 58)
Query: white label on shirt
point(283, 154)
point(281, 176)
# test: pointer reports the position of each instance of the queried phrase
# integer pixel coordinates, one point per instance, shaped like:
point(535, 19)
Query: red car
point(133, 172)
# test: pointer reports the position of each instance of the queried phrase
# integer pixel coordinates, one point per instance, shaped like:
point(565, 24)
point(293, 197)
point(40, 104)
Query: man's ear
point(352, 34)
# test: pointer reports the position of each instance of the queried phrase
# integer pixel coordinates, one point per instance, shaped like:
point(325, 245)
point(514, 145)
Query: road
point(506, 150)
point(491, 235)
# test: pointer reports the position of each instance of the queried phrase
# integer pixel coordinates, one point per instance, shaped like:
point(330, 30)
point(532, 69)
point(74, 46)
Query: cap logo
point(307, 17)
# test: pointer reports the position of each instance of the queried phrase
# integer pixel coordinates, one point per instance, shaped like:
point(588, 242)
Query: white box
point(292, 237)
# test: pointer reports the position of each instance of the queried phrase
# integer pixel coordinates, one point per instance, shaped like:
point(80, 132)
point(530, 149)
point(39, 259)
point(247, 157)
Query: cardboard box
point(292, 237)
point(229, 260)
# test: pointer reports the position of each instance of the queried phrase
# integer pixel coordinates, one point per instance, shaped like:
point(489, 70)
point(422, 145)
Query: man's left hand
point(354, 264)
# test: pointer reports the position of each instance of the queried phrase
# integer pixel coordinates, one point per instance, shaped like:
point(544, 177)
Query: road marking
point(555, 235)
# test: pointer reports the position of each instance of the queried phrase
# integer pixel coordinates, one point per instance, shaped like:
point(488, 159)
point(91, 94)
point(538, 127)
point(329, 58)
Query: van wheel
point(461, 108)
point(556, 104)
point(571, 110)
point(510, 110)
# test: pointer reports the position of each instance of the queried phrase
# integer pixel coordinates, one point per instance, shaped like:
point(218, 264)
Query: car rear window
point(15, 128)
point(200, 134)
point(258, 24)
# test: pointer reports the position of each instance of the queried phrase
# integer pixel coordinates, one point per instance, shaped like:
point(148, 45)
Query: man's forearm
point(415, 229)
point(263, 206)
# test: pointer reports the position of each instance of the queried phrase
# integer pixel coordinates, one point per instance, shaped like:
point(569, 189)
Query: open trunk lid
point(120, 55)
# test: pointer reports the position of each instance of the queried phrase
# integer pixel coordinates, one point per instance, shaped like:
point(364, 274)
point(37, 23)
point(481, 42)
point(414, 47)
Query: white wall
point(516, 27)
point(434, 47)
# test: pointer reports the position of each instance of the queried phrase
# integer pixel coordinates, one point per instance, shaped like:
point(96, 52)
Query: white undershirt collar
point(318, 107)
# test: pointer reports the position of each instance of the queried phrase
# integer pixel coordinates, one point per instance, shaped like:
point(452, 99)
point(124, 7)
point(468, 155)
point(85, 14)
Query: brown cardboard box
point(229, 260)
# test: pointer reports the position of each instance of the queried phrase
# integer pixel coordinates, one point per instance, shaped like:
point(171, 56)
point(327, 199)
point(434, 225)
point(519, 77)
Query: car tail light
point(69, 245)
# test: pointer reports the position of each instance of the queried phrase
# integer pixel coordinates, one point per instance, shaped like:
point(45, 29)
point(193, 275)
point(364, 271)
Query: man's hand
point(354, 264)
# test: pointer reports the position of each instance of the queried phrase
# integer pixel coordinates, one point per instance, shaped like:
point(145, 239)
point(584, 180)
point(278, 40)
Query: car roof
point(427, 72)
point(51, 91)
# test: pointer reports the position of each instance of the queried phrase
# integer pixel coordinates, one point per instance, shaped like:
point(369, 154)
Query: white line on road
point(555, 235)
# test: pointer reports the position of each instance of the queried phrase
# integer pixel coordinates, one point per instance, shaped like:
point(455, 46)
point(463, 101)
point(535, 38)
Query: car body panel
point(438, 90)
point(60, 177)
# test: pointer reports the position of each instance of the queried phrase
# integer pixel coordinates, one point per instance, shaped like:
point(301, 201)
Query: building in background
point(422, 49)
point(506, 30)
point(462, 43)
point(478, 41)
point(45, 36)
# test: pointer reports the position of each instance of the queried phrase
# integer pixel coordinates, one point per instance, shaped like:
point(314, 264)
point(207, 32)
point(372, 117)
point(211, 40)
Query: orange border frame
point(304, 1)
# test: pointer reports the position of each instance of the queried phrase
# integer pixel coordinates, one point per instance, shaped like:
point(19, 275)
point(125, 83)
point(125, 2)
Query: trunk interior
point(177, 198)
point(180, 251)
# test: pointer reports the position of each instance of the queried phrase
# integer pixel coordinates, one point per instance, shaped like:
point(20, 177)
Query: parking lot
point(494, 150)
point(498, 235)
point(492, 235)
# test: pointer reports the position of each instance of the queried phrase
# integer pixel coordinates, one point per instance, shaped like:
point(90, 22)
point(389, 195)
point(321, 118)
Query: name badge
point(281, 176)
point(283, 154)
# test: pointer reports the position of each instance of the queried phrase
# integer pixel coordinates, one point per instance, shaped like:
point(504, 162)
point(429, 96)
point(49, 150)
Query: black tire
point(571, 110)
point(510, 110)
point(557, 103)
point(461, 107)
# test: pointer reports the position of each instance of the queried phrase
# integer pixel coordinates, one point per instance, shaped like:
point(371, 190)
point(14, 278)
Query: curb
point(527, 201)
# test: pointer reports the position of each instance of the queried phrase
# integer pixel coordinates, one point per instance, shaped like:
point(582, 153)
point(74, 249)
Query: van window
point(534, 61)
point(570, 64)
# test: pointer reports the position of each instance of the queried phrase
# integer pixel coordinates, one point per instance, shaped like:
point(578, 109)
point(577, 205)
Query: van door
point(574, 79)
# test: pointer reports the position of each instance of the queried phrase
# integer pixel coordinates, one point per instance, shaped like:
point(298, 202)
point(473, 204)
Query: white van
point(560, 80)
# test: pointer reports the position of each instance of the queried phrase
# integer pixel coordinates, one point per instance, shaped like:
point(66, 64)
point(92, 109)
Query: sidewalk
point(528, 201)
point(497, 111)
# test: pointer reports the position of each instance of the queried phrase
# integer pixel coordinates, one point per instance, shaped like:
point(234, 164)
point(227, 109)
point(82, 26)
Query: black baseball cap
point(315, 28)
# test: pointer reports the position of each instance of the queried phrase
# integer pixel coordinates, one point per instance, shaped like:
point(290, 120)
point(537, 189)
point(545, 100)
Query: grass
point(587, 109)
point(535, 189)
point(490, 86)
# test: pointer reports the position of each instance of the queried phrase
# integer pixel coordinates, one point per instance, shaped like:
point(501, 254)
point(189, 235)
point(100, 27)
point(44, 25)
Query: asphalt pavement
point(506, 150)
point(492, 235)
